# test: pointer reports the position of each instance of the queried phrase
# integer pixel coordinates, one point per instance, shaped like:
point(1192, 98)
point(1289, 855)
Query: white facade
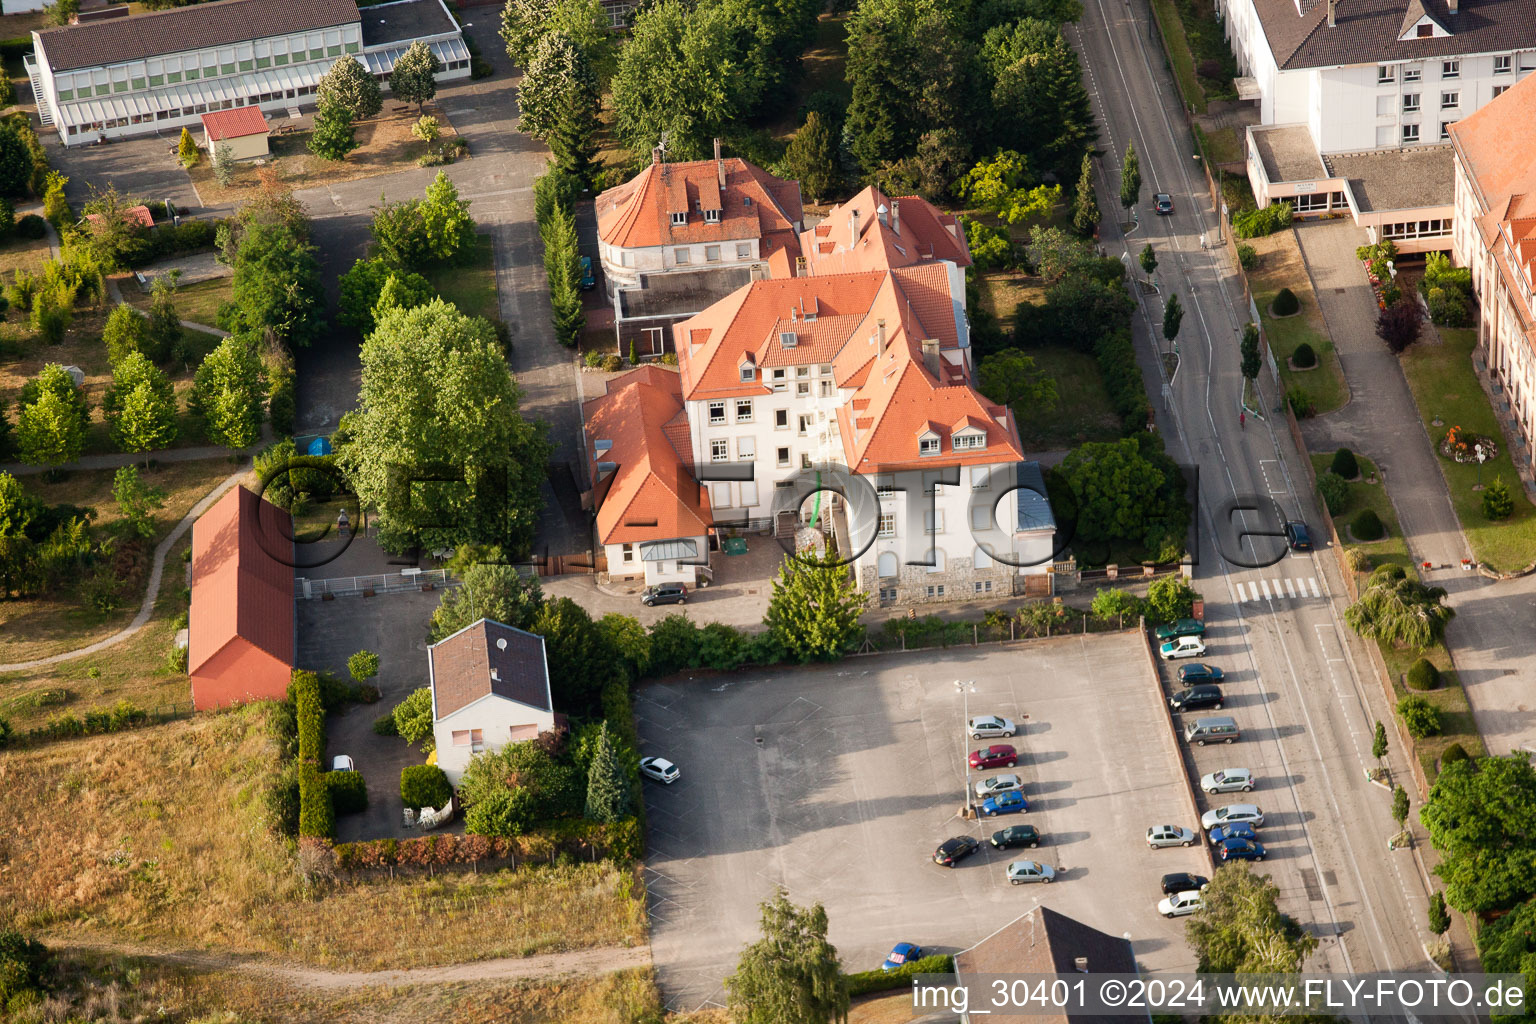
point(632, 560)
point(622, 267)
point(488, 724)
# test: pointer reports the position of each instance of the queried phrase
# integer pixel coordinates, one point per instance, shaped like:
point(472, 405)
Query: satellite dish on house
point(501, 644)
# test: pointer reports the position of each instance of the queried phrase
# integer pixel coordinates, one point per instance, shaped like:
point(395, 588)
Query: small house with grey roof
point(490, 687)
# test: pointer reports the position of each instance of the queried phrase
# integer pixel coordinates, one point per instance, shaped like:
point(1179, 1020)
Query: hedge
point(349, 791)
point(877, 980)
point(1122, 378)
point(282, 802)
point(310, 712)
point(317, 818)
point(584, 840)
point(424, 785)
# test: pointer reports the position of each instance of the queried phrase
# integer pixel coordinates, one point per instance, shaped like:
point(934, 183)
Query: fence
point(998, 627)
point(382, 583)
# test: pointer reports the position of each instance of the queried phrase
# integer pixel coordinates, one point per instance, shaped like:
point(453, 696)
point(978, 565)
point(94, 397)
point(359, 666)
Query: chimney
point(853, 228)
point(655, 154)
point(1333, 10)
point(719, 164)
point(880, 329)
point(1081, 963)
point(896, 207)
point(1454, 5)
point(931, 358)
point(495, 678)
point(883, 213)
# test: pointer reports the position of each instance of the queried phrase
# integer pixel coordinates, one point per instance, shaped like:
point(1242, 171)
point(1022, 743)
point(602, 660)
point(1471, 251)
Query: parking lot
point(839, 781)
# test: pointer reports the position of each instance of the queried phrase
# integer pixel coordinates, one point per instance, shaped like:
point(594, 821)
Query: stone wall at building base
point(959, 579)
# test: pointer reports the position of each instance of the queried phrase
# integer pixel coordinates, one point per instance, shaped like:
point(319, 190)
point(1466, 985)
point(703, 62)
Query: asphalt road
point(1305, 696)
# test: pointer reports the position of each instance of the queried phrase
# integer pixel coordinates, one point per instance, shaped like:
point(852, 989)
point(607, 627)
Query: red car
point(999, 755)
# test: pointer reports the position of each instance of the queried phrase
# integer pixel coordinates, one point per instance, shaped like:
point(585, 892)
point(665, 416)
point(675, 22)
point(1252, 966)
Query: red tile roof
point(857, 236)
point(652, 495)
point(234, 124)
point(241, 587)
point(488, 657)
point(753, 204)
point(139, 215)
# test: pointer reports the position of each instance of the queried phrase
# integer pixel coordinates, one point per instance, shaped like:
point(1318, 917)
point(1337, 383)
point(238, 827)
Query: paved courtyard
point(839, 781)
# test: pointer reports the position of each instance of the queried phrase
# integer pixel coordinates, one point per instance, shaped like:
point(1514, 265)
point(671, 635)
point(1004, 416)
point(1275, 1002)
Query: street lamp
point(965, 689)
point(1482, 457)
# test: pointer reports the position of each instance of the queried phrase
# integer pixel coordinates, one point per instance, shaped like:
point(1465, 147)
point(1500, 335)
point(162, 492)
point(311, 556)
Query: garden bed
point(1280, 266)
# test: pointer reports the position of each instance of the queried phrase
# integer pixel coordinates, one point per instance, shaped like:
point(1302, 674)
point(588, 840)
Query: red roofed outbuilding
point(240, 643)
point(242, 130)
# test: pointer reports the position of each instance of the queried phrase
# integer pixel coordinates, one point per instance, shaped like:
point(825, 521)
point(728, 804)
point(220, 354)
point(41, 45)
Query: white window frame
point(1499, 90)
point(1386, 74)
point(805, 460)
point(1445, 130)
point(1450, 69)
point(1410, 133)
point(743, 250)
point(803, 424)
point(1411, 75)
point(627, 552)
point(935, 590)
point(743, 405)
point(802, 389)
point(981, 478)
point(930, 446)
point(981, 517)
point(711, 254)
point(712, 217)
point(748, 373)
point(679, 218)
point(887, 526)
point(746, 449)
point(717, 413)
point(781, 419)
point(1450, 100)
point(681, 256)
point(968, 442)
point(748, 493)
point(1504, 64)
point(981, 587)
point(719, 450)
point(1411, 102)
point(783, 457)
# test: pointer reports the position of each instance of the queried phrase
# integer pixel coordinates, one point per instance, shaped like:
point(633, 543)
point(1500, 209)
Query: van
point(1212, 730)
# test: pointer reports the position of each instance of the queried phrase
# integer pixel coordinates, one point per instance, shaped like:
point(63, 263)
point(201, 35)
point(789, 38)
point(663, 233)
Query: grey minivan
point(1212, 730)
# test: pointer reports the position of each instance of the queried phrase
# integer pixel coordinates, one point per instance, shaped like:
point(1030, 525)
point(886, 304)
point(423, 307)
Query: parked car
point(342, 763)
point(1169, 835)
point(1297, 536)
point(1016, 835)
point(997, 784)
point(1240, 849)
point(998, 755)
point(1231, 814)
point(660, 769)
point(1241, 830)
point(1228, 780)
point(1196, 698)
point(1183, 647)
point(1200, 672)
point(953, 851)
point(902, 953)
point(665, 593)
point(1181, 904)
point(588, 282)
point(1183, 881)
point(1011, 802)
point(1178, 628)
point(989, 726)
point(1162, 202)
point(1021, 871)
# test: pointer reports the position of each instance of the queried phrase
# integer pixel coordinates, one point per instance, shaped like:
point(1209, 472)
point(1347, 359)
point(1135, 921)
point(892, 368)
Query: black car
point(1195, 697)
point(665, 593)
point(1016, 835)
point(1296, 535)
point(1163, 203)
point(953, 851)
point(1200, 672)
point(1183, 881)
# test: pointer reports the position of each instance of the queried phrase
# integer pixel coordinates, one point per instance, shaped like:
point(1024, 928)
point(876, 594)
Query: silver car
point(1169, 835)
point(988, 726)
point(997, 784)
point(1181, 903)
point(1228, 780)
point(1232, 814)
point(1021, 871)
point(660, 769)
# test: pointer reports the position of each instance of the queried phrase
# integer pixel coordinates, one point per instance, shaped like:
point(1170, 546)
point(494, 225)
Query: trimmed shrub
point(310, 713)
point(1345, 464)
point(32, 227)
point(1304, 357)
point(1367, 525)
point(864, 982)
point(1259, 222)
point(1453, 753)
point(385, 726)
point(1301, 404)
point(1422, 675)
point(1498, 503)
point(1359, 561)
point(317, 818)
point(349, 791)
point(1247, 257)
point(1285, 303)
point(424, 785)
point(1335, 492)
point(1420, 717)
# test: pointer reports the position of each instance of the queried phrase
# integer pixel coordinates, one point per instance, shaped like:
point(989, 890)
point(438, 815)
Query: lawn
point(1280, 266)
point(197, 302)
point(1082, 412)
point(1446, 387)
point(1363, 495)
point(1001, 291)
point(158, 835)
point(471, 285)
point(18, 253)
point(1222, 146)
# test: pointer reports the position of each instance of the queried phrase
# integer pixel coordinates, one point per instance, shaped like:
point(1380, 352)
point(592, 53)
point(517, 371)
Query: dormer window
point(928, 445)
point(968, 441)
point(711, 216)
point(788, 339)
point(1425, 31)
point(679, 219)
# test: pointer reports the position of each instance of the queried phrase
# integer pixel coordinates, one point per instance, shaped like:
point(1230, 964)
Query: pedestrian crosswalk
point(1277, 588)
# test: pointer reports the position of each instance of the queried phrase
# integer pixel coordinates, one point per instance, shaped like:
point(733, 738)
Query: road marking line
point(1290, 591)
point(1313, 580)
point(1265, 585)
point(1277, 588)
point(1241, 596)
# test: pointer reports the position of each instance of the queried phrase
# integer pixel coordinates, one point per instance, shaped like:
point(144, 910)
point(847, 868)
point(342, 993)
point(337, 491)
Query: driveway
point(838, 781)
point(145, 167)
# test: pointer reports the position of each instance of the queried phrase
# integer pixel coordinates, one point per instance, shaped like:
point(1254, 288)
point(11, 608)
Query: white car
point(1021, 871)
point(997, 784)
point(1181, 903)
point(342, 763)
point(1228, 780)
point(1232, 814)
point(1169, 835)
point(1182, 647)
point(660, 769)
point(986, 726)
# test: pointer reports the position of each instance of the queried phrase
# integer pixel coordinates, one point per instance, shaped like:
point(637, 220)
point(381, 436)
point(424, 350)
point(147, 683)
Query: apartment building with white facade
point(1357, 97)
point(1495, 237)
point(161, 71)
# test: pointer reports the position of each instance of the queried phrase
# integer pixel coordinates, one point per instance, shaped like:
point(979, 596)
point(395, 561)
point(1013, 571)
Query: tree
point(489, 590)
point(427, 129)
point(402, 290)
point(16, 513)
point(1170, 598)
point(23, 961)
point(224, 164)
point(525, 22)
point(277, 285)
point(400, 235)
point(125, 331)
point(1085, 206)
point(1173, 316)
point(55, 203)
point(630, 642)
point(362, 292)
point(186, 149)
point(1038, 105)
point(1481, 816)
point(560, 100)
point(140, 406)
point(61, 12)
point(435, 385)
point(51, 426)
point(507, 813)
point(1130, 178)
point(1379, 742)
point(1498, 503)
point(1123, 497)
point(1002, 186)
point(350, 86)
point(413, 717)
point(792, 973)
point(812, 158)
point(333, 136)
point(449, 227)
point(414, 78)
point(1056, 255)
point(1240, 929)
point(1250, 351)
point(113, 236)
point(1439, 917)
point(608, 789)
point(1010, 377)
point(1148, 260)
point(227, 393)
point(580, 660)
point(424, 785)
point(163, 340)
point(1399, 805)
point(1397, 610)
point(136, 500)
point(814, 610)
point(363, 666)
point(557, 788)
point(1420, 717)
point(1398, 324)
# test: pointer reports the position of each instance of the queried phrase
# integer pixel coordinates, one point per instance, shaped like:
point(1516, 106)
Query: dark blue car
point(1011, 802)
point(903, 954)
point(1240, 849)
point(1240, 830)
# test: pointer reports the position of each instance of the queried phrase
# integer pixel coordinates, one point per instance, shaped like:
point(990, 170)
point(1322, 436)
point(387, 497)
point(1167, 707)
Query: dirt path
point(584, 962)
